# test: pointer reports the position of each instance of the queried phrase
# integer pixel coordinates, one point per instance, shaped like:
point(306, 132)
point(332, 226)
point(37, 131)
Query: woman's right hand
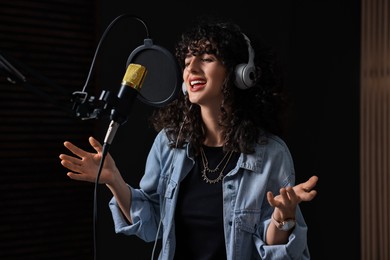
point(84, 165)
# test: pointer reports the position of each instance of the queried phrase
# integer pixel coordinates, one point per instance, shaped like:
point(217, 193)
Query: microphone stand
point(15, 73)
point(86, 107)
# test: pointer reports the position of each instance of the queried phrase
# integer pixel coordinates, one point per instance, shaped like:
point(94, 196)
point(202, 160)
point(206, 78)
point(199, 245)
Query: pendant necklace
point(207, 171)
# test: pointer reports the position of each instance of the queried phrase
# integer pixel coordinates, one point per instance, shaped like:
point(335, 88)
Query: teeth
point(196, 82)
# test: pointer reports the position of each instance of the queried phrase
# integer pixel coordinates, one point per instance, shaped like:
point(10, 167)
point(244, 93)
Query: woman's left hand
point(289, 197)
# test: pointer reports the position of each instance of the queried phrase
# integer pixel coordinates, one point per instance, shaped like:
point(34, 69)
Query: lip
point(196, 84)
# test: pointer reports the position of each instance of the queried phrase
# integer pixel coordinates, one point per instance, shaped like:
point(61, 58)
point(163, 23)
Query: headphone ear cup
point(246, 72)
point(245, 76)
point(184, 88)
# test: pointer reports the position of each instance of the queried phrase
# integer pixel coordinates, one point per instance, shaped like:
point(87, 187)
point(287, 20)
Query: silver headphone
point(246, 72)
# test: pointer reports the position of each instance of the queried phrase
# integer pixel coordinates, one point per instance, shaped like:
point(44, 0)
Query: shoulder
point(267, 139)
point(274, 154)
point(160, 148)
point(161, 139)
point(272, 148)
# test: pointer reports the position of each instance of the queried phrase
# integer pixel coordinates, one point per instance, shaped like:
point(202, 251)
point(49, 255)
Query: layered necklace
point(217, 171)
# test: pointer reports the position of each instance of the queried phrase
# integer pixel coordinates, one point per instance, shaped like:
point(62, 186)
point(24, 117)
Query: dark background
point(44, 215)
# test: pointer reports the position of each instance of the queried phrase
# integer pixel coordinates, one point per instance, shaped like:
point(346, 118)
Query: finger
point(270, 198)
point(71, 166)
point(310, 184)
point(283, 194)
point(78, 177)
point(71, 159)
point(75, 150)
point(95, 144)
point(308, 196)
point(291, 194)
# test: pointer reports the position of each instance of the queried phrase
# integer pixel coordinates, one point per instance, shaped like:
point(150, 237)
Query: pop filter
point(163, 80)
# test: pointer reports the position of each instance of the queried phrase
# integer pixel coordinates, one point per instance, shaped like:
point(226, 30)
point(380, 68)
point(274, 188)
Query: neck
point(213, 137)
point(213, 131)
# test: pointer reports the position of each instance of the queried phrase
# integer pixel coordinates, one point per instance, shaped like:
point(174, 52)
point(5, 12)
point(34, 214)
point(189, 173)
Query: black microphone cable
point(106, 146)
point(106, 31)
point(169, 178)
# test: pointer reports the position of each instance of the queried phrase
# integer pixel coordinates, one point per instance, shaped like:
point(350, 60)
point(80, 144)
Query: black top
point(199, 211)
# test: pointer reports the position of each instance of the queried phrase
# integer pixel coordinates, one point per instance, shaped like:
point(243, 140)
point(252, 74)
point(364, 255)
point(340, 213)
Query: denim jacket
point(247, 211)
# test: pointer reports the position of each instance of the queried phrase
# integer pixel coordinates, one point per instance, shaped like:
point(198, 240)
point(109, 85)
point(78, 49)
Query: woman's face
point(204, 76)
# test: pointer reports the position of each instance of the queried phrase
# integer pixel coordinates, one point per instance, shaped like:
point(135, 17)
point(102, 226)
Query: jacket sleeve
point(296, 247)
point(145, 200)
point(281, 174)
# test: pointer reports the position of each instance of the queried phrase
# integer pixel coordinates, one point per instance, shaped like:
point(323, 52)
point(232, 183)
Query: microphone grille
point(134, 76)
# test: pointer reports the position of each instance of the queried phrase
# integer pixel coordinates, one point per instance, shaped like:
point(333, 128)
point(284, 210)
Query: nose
point(192, 66)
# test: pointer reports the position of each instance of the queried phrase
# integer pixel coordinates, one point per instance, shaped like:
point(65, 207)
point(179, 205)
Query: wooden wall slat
point(375, 135)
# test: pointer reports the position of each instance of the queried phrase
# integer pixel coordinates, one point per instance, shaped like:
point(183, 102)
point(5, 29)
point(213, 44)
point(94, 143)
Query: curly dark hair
point(253, 111)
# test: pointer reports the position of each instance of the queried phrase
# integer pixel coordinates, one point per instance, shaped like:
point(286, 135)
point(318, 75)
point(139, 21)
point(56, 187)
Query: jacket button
point(230, 186)
point(230, 223)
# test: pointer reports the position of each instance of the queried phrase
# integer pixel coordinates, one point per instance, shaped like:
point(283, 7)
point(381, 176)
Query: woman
point(216, 163)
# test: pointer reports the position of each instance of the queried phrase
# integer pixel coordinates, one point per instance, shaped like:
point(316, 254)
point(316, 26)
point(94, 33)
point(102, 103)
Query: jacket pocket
point(248, 220)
